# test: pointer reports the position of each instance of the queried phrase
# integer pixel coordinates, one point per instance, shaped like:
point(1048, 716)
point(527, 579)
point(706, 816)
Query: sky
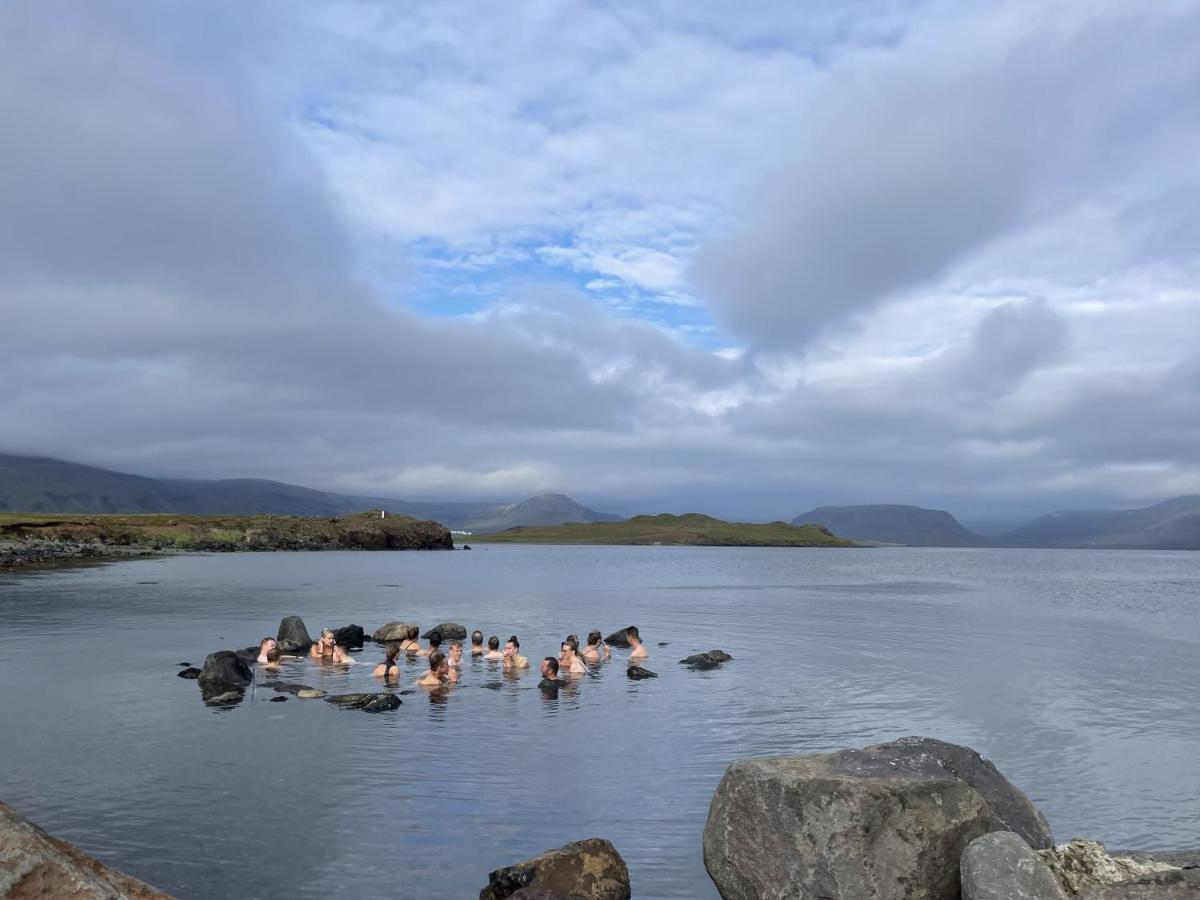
point(746, 259)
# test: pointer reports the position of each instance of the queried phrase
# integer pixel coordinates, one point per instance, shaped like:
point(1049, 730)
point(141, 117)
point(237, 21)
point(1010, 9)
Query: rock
point(618, 639)
point(349, 636)
point(841, 826)
point(33, 864)
point(637, 673)
point(224, 671)
point(184, 664)
point(1177, 884)
point(1079, 865)
point(280, 699)
point(248, 655)
point(664, 643)
point(709, 660)
point(286, 687)
point(310, 694)
point(380, 702)
point(392, 631)
point(189, 672)
point(582, 870)
point(1185, 859)
point(1001, 866)
point(293, 636)
point(225, 698)
point(450, 631)
point(1012, 809)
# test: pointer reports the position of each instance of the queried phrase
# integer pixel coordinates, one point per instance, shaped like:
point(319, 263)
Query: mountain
point(41, 484)
point(1171, 525)
point(913, 526)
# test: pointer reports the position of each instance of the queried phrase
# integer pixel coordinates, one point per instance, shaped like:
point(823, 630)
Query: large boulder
point(293, 636)
point(1001, 866)
point(1080, 864)
point(841, 826)
point(224, 671)
point(618, 638)
point(392, 631)
point(349, 636)
point(450, 631)
point(583, 870)
point(708, 660)
point(1177, 884)
point(34, 864)
point(380, 702)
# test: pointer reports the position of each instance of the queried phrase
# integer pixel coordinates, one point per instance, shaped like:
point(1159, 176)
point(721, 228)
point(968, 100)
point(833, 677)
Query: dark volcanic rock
point(225, 671)
point(286, 687)
point(450, 631)
point(189, 672)
point(1181, 884)
point(349, 636)
point(583, 870)
point(708, 660)
point(380, 702)
point(293, 636)
point(392, 631)
point(1001, 866)
point(279, 699)
point(618, 639)
point(34, 865)
point(637, 673)
point(841, 826)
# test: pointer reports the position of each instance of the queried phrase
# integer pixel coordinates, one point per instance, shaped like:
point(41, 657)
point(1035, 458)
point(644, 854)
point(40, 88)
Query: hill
point(44, 485)
point(1171, 525)
point(913, 526)
point(690, 529)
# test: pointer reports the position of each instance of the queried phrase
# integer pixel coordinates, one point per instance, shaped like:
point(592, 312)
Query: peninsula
point(690, 529)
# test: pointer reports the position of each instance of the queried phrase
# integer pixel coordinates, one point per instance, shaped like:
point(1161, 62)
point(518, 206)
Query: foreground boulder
point(392, 631)
point(34, 864)
point(381, 702)
point(708, 660)
point(1079, 865)
point(841, 826)
point(224, 671)
point(583, 870)
point(450, 631)
point(350, 636)
point(1001, 866)
point(1177, 884)
point(293, 636)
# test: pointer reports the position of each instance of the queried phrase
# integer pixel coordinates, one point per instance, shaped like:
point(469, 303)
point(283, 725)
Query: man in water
point(273, 657)
point(512, 655)
point(638, 649)
point(439, 673)
point(477, 643)
point(550, 680)
point(455, 656)
point(435, 644)
point(494, 648)
point(265, 646)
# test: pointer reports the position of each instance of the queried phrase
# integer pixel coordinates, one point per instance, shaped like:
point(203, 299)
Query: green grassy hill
point(691, 529)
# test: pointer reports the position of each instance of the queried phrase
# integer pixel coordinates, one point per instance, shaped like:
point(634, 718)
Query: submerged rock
point(225, 699)
point(637, 673)
point(380, 702)
point(392, 631)
point(1079, 865)
point(279, 699)
point(349, 636)
point(310, 694)
point(841, 826)
point(293, 636)
point(287, 687)
point(34, 864)
point(1001, 866)
point(582, 870)
point(708, 660)
point(450, 631)
point(1177, 884)
point(189, 672)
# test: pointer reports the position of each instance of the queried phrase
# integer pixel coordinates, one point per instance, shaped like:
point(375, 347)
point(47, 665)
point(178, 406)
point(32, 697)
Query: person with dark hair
point(638, 649)
point(477, 643)
point(494, 648)
point(389, 668)
point(568, 659)
point(512, 655)
point(409, 644)
point(274, 655)
point(264, 647)
point(596, 649)
point(439, 673)
point(435, 644)
point(550, 680)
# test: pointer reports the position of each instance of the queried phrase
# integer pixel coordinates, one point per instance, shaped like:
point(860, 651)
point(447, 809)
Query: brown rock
point(1079, 865)
point(1178, 884)
point(35, 865)
point(583, 870)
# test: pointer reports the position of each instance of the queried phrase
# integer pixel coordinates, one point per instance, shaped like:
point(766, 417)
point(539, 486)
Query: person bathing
point(512, 655)
point(389, 669)
point(264, 647)
point(596, 649)
point(568, 658)
point(493, 649)
point(638, 649)
point(409, 644)
point(439, 673)
point(454, 657)
point(477, 643)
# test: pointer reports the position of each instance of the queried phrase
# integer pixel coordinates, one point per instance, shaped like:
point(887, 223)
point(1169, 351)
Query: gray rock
point(1179, 884)
point(392, 631)
point(841, 826)
point(190, 672)
point(709, 660)
point(637, 673)
point(286, 687)
point(450, 631)
point(310, 694)
point(381, 702)
point(350, 636)
point(292, 636)
point(1184, 858)
point(1001, 866)
point(1080, 864)
point(583, 870)
point(224, 671)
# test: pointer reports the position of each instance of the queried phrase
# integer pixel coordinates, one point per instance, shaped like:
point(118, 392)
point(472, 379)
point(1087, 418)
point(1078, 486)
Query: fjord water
point(1075, 671)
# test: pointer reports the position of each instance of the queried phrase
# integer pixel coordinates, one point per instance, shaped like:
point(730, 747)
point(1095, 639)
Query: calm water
point(1075, 671)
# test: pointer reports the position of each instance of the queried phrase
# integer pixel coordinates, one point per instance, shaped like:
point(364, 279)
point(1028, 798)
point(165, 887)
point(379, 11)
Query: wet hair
point(632, 631)
point(513, 640)
point(493, 643)
point(594, 637)
point(457, 644)
point(413, 631)
point(572, 642)
point(476, 638)
point(273, 655)
point(435, 639)
point(552, 665)
point(436, 658)
point(573, 637)
point(263, 643)
point(393, 650)
point(326, 631)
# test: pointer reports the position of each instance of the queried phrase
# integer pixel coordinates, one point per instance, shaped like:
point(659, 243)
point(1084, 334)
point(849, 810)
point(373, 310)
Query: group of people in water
point(444, 665)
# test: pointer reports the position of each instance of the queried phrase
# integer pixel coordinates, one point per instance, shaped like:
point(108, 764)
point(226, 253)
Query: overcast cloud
point(675, 256)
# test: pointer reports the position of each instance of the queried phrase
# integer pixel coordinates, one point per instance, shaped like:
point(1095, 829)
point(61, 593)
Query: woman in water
point(569, 662)
point(596, 649)
point(409, 644)
point(493, 649)
point(389, 668)
point(326, 649)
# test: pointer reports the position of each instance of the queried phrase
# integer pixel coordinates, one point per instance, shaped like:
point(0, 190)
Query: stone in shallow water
point(279, 699)
point(190, 672)
point(350, 636)
point(708, 660)
point(1177, 884)
point(1081, 864)
point(583, 870)
point(450, 631)
point(292, 636)
point(1001, 866)
point(637, 673)
point(310, 694)
point(380, 702)
point(392, 631)
point(618, 638)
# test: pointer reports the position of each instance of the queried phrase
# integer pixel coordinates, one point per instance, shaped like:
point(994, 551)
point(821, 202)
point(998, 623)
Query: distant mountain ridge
point(46, 485)
point(913, 526)
point(1170, 525)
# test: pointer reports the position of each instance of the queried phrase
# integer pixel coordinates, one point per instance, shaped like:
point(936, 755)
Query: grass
point(692, 529)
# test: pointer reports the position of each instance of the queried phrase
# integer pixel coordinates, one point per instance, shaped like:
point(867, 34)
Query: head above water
point(393, 650)
point(273, 655)
point(265, 645)
point(514, 643)
point(493, 643)
point(550, 667)
point(435, 639)
point(632, 634)
point(437, 662)
point(594, 638)
point(413, 631)
point(476, 638)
